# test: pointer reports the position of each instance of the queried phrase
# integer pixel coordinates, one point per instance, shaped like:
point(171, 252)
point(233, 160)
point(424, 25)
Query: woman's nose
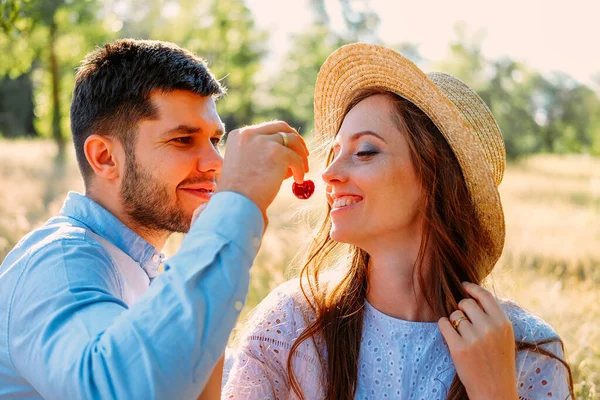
point(335, 172)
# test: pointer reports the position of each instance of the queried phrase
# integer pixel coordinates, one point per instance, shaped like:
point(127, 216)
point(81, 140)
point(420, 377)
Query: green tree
point(221, 31)
point(17, 107)
point(508, 93)
point(57, 33)
point(235, 49)
point(536, 113)
point(361, 22)
point(465, 59)
point(292, 91)
point(570, 114)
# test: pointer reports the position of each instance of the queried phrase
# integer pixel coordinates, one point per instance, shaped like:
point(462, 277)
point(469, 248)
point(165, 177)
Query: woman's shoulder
point(269, 334)
point(281, 316)
point(541, 371)
point(263, 348)
point(293, 299)
point(527, 326)
point(286, 301)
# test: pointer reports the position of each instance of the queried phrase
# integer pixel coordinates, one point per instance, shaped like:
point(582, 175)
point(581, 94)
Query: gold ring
point(285, 139)
point(458, 321)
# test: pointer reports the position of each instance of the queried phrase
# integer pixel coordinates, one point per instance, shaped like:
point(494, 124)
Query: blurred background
point(533, 62)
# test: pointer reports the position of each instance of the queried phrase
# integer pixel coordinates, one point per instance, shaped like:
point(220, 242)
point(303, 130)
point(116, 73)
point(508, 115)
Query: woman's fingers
point(451, 336)
point(487, 301)
point(482, 346)
point(462, 324)
point(471, 319)
point(474, 312)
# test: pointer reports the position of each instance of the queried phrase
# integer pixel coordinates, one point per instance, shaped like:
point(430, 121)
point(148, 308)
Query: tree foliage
point(292, 91)
point(42, 42)
point(536, 113)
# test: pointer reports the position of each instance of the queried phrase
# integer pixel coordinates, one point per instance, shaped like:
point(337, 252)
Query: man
point(79, 318)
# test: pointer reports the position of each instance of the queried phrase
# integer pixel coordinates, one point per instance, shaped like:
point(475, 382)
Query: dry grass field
point(551, 262)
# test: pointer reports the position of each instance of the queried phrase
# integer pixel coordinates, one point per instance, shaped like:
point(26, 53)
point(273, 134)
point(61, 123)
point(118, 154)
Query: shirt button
point(155, 258)
point(256, 242)
point(238, 305)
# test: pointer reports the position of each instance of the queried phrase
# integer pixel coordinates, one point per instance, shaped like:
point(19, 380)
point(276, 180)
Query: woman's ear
point(103, 155)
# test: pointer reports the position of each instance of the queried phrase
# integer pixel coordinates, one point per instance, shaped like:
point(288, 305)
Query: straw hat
point(459, 113)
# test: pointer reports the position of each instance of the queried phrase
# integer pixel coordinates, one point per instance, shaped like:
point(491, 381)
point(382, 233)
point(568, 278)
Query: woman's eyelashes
point(361, 152)
point(366, 152)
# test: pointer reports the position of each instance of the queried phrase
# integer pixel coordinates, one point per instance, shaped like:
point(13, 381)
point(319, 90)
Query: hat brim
point(358, 66)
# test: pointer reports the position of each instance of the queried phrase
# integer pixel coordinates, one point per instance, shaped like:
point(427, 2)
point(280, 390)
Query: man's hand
point(256, 161)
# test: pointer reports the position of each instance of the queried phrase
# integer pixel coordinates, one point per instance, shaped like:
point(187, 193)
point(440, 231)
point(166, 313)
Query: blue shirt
point(67, 330)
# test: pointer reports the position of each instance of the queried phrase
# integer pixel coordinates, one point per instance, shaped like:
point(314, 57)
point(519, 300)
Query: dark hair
point(452, 235)
point(114, 83)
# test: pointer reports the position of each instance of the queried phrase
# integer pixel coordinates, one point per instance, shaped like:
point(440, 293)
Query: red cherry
point(303, 190)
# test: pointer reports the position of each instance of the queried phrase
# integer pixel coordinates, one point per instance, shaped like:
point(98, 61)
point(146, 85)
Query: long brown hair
point(454, 241)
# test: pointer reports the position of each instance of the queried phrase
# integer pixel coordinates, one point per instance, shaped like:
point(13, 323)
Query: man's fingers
point(297, 144)
point(303, 143)
point(297, 166)
point(297, 155)
point(269, 128)
point(259, 157)
point(294, 140)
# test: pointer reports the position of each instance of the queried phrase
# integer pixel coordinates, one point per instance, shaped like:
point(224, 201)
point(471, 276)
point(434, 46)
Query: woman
point(411, 182)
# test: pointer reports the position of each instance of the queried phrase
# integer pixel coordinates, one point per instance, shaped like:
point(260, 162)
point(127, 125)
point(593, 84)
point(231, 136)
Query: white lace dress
point(398, 359)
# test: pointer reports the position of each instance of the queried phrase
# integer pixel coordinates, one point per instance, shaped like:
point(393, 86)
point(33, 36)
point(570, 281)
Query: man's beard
point(148, 202)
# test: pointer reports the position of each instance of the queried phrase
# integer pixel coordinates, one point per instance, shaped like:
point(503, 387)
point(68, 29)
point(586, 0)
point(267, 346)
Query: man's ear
point(105, 156)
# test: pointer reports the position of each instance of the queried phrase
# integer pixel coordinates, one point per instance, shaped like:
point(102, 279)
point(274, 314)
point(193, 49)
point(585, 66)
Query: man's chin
point(179, 221)
point(190, 204)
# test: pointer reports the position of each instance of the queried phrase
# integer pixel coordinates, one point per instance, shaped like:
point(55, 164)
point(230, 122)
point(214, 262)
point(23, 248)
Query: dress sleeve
point(539, 376)
point(259, 363)
point(542, 377)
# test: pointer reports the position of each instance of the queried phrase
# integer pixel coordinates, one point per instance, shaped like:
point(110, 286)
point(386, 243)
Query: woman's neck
point(393, 285)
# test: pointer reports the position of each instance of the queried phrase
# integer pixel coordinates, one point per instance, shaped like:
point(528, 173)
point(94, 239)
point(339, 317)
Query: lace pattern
point(398, 359)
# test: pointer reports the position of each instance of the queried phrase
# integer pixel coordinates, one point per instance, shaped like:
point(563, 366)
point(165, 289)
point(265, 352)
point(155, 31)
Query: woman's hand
point(482, 346)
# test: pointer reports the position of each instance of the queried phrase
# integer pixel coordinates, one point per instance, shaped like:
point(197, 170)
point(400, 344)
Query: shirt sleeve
point(542, 377)
point(70, 337)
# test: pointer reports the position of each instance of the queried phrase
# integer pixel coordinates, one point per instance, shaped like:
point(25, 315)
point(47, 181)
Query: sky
point(550, 35)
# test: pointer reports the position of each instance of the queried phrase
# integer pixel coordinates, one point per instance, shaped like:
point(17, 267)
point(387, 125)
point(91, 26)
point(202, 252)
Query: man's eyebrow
point(187, 129)
point(183, 129)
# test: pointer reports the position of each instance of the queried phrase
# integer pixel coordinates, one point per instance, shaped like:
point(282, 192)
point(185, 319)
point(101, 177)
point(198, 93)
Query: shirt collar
point(105, 224)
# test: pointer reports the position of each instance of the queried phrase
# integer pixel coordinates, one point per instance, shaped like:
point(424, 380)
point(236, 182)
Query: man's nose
point(210, 160)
